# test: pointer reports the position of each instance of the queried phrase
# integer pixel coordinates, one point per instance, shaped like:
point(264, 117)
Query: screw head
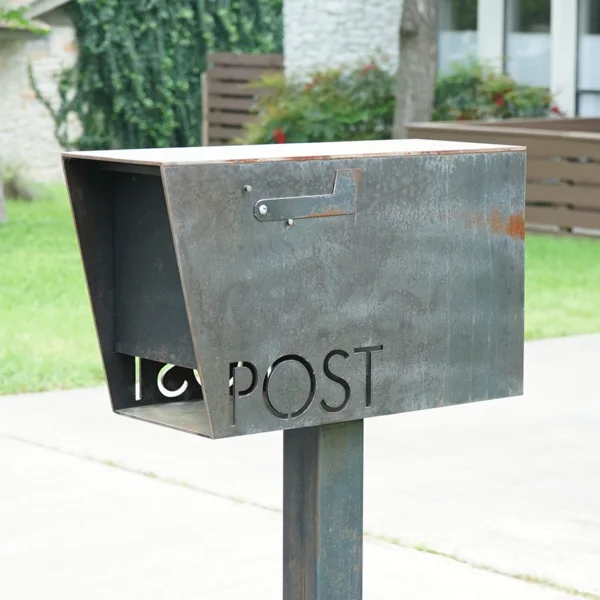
point(262, 209)
point(247, 188)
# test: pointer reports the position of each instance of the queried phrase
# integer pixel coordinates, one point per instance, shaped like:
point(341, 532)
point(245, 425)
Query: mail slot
point(240, 290)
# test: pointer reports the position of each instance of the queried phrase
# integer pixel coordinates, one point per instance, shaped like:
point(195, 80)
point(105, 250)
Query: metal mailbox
point(305, 287)
point(251, 289)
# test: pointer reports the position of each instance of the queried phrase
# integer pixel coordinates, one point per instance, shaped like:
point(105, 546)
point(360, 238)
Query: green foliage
point(358, 104)
point(333, 105)
point(16, 18)
point(136, 82)
point(471, 91)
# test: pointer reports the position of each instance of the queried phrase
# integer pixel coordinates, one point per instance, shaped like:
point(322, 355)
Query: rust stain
point(334, 212)
point(513, 226)
point(237, 161)
point(516, 225)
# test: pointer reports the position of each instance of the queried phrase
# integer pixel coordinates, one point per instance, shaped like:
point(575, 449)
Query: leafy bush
point(333, 105)
point(471, 91)
point(137, 79)
point(358, 104)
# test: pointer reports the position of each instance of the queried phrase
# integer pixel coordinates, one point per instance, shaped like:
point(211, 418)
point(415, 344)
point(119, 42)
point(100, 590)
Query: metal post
point(323, 512)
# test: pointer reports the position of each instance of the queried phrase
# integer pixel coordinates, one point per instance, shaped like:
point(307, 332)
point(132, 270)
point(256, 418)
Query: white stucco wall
point(26, 129)
point(324, 33)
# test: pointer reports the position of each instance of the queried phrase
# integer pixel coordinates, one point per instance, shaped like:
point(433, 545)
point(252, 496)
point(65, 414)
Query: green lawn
point(47, 339)
point(562, 286)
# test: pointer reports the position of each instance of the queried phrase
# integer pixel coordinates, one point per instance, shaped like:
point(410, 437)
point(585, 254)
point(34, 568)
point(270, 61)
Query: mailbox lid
point(411, 293)
point(160, 157)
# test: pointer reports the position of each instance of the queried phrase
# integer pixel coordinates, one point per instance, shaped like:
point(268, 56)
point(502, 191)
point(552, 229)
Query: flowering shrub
point(471, 91)
point(333, 105)
point(358, 104)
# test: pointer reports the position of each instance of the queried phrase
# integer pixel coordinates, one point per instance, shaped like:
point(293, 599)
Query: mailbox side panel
point(91, 192)
point(411, 300)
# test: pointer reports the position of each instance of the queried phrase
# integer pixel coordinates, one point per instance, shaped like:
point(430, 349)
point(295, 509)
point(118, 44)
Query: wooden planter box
point(563, 165)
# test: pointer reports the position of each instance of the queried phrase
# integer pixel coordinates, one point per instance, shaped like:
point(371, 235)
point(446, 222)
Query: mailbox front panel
point(328, 290)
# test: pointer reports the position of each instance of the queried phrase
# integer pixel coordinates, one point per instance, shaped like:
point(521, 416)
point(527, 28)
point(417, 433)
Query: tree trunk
point(2, 200)
point(417, 64)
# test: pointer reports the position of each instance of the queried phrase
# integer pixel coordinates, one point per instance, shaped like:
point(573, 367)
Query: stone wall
point(323, 33)
point(26, 129)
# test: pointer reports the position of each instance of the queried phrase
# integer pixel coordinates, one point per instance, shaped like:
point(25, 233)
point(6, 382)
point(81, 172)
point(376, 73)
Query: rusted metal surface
point(323, 512)
point(412, 301)
point(150, 317)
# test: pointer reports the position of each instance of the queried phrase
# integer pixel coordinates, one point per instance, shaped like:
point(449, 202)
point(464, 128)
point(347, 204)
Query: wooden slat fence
point(227, 100)
point(563, 166)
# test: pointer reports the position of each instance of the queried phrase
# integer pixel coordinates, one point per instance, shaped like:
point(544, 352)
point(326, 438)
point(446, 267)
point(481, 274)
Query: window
point(457, 39)
point(588, 67)
point(528, 41)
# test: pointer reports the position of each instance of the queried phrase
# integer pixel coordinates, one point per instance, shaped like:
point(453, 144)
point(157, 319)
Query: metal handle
point(341, 202)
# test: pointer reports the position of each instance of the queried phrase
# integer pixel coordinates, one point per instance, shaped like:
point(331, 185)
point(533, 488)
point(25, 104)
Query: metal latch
point(341, 202)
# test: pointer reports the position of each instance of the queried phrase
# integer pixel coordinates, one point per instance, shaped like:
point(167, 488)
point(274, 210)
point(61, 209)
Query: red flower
point(279, 136)
point(499, 100)
point(367, 69)
point(557, 111)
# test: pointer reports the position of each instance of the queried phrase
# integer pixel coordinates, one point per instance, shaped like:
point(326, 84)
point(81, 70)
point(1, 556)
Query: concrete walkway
point(507, 493)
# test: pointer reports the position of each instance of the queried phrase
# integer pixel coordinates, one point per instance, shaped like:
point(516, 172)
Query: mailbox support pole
point(323, 512)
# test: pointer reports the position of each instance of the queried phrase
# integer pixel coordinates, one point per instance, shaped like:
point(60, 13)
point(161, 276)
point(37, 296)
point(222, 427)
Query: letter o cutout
point(311, 394)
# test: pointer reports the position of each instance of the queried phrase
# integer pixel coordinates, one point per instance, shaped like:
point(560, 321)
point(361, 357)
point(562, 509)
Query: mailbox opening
point(144, 323)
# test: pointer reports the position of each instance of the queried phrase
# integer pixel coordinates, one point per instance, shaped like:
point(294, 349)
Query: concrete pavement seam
point(524, 577)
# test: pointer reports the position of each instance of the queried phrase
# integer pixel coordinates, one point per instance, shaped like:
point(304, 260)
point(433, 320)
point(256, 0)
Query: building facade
point(27, 140)
point(550, 43)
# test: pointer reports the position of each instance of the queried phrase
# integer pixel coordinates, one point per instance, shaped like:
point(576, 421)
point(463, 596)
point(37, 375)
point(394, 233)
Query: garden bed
point(563, 165)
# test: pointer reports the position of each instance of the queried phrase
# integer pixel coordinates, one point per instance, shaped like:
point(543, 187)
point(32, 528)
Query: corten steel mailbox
point(304, 285)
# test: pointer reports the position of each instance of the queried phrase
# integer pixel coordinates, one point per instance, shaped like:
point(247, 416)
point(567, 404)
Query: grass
point(47, 338)
point(562, 286)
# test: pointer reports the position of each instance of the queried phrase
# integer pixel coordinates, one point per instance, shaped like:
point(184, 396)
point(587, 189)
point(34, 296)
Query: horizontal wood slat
point(563, 194)
point(216, 88)
point(562, 217)
point(223, 133)
point(218, 142)
point(238, 74)
point(231, 59)
point(228, 118)
point(539, 143)
point(591, 125)
point(226, 103)
point(564, 170)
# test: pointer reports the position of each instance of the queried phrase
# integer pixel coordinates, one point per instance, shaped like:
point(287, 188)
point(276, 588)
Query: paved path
point(511, 486)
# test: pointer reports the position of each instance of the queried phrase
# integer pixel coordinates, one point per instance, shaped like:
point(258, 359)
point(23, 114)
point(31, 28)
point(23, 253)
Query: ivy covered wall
point(137, 78)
